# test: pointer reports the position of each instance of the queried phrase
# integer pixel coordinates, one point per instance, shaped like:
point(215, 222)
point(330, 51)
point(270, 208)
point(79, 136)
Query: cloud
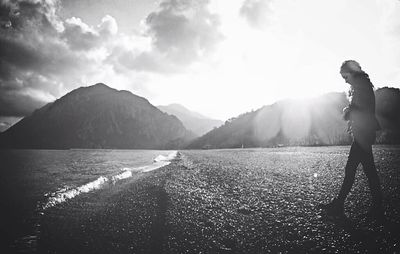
point(25, 14)
point(184, 30)
point(80, 36)
point(181, 32)
point(108, 26)
point(256, 12)
point(144, 61)
point(4, 125)
point(7, 122)
point(18, 103)
point(42, 56)
point(38, 63)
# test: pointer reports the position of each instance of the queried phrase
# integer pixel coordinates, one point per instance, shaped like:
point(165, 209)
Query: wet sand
point(229, 201)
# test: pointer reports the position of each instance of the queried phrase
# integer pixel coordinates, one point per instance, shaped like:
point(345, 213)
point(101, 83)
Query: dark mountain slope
point(317, 121)
point(97, 117)
point(388, 113)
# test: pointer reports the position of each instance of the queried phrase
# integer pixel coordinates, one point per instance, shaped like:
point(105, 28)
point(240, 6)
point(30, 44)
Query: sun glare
point(251, 66)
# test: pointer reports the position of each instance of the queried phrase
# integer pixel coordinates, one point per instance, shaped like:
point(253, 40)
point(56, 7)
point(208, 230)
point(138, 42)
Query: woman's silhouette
point(363, 126)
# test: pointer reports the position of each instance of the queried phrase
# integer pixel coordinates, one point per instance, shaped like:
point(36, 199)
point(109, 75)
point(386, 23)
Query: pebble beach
point(230, 201)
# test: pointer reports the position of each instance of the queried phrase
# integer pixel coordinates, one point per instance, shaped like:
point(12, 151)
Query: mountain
point(193, 121)
point(97, 117)
point(317, 121)
point(388, 114)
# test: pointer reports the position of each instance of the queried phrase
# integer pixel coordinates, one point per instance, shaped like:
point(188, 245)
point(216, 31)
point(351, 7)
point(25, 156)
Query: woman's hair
point(351, 66)
point(354, 68)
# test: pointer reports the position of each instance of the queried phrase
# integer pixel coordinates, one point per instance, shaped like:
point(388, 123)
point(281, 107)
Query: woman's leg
point(368, 164)
point(350, 171)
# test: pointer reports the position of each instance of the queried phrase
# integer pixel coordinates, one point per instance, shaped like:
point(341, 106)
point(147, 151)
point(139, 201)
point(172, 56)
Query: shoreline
point(228, 202)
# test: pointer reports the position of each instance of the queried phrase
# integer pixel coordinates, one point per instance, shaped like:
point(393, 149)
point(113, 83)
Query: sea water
point(32, 181)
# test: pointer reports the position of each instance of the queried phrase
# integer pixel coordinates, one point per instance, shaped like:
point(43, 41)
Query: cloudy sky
point(218, 57)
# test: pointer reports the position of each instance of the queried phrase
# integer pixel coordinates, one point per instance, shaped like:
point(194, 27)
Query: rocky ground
point(230, 201)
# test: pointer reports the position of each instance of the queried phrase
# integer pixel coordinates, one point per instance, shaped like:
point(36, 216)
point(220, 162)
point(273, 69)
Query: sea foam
point(65, 193)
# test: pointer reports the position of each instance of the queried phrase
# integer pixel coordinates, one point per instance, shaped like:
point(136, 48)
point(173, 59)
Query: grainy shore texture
point(230, 201)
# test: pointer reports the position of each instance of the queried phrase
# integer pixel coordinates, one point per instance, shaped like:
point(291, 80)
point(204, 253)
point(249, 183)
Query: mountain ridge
point(97, 116)
point(102, 117)
point(192, 120)
point(292, 122)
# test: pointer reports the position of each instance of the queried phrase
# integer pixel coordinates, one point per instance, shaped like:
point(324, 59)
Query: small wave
point(160, 161)
point(155, 166)
point(169, 157)
point(66, 193)
point(124, 175)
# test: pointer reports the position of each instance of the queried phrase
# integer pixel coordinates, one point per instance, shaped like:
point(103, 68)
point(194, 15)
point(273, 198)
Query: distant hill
point(388, 113)
point(97, 117)
point(317, 121)
point(193, 121)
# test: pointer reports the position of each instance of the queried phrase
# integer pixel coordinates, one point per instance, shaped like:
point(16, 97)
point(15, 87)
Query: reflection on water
point(34, 180)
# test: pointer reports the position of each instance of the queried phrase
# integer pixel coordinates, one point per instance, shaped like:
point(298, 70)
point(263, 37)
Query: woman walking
point(363, 125)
